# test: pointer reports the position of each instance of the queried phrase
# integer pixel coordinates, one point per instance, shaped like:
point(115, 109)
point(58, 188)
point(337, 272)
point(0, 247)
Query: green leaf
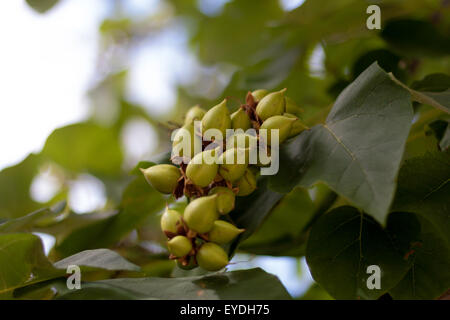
point(436, 82)
point(424, 188)
point(97, 259)
point(27, 222)
point(357, 152)
point(86, 147)
point(281, 229)
point(250, 211)
point(22, 261)
point(252, 284)
point(344, 242)
point(429, 275)
point(15, 183)
point(42, 6)
point(416, 38)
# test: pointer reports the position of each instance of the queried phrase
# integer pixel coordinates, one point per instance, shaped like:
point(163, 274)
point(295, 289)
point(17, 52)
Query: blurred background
point(90, 88)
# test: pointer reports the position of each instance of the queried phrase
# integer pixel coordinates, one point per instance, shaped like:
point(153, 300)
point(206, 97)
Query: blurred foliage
point(315, 50)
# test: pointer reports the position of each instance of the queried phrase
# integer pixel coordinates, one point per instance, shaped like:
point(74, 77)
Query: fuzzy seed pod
point(217, 117)
point(292, 107)
point(202, 174)
point(271, 105)
point(247, 184)
point(223, 232)
point(259, 94)
point(225, 199)
point(211, 257)
point(162, 177)
point(230, 168)
point(186, 131)
point(195, 113)
point(170, 221)
point(179, 246)
point(297, 125)
point(282, 123)
point(240, 120)
point(201, 213)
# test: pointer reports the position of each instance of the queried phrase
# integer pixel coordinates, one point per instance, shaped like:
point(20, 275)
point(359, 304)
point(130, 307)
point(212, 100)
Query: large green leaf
point(15, 183)
point(22, 261)
point(357, 152)
point(86, 147)
point(429, 275)
point(424, 188)
point(28, 222)
point(252, 284)
point(97, 259)
point(344, 242)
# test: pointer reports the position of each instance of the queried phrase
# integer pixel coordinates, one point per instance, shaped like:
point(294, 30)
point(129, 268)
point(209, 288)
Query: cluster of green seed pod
point(213, 175)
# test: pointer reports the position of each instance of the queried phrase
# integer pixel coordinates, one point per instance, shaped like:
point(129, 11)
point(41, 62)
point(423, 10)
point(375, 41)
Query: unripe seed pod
point(225, 199)
point(179, 246)
point(202, 174)
point(223, 232)
point(259, 94)
point(170, 221)
point(240, 120)
point(188, 264)
point(201, 213)
point(195, 113)
point(231, 167)
point(163, 177)
point(271, 105)
point(211, 257)
point(217, 117)
point(282, 123)
point(247, 184)
point(297, 125)
point(292, 107)
point(178, 141)
point(242, 141)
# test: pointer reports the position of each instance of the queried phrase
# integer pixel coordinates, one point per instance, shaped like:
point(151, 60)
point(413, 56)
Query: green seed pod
point(170, 221)
point(292, 107)
point(188, 264)
point(223, 232)
point(178, 140)
point(259, 94)
point(195, 113)
point(240, 120)
point(242, 141)
point(229, 168)
point(225, 199)
point(179, 246)
point(201, 213)
point(247, 184)
point(163, 177)
point(217, 117)
point(297, 126)
point(282, 123)
point(211, 257)
point(271, 105)
point(202, 174)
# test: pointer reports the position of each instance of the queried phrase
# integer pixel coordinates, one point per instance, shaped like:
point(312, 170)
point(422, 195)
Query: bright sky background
point(47, 64)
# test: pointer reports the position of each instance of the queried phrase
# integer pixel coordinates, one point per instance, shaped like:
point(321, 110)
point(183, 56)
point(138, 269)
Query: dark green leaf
point(243, 284)
point(344, 242)
point(429, 275)
point(424, 188)
point(357, 152)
